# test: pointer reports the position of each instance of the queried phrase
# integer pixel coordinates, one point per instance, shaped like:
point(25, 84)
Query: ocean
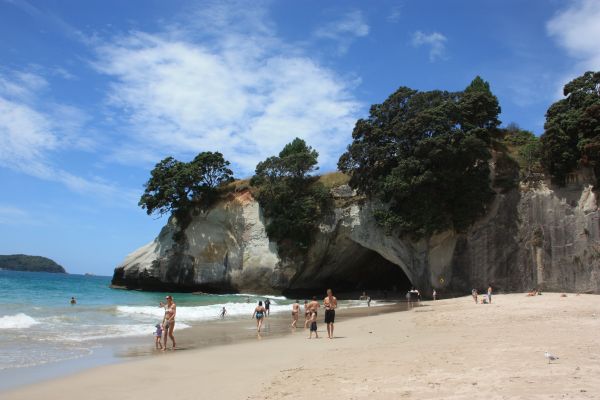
point(38, 325)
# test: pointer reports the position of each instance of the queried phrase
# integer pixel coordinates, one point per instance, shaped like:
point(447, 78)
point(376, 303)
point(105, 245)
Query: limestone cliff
point(533, 236)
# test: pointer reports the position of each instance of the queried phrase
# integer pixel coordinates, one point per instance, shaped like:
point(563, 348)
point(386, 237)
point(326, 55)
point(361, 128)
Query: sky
point(94, 93)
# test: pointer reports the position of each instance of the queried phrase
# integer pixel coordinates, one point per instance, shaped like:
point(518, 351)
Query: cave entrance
point(361, 269)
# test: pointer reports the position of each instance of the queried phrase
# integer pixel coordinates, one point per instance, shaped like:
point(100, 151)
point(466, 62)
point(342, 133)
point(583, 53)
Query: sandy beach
point(448, 349)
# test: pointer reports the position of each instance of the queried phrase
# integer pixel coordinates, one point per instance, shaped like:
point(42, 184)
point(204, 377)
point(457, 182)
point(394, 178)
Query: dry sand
point(448, 349)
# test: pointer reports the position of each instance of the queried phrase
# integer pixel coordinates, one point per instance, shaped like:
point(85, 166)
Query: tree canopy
point(292, 200)
point(572, 129)
point(174, 185)
point(425, 156)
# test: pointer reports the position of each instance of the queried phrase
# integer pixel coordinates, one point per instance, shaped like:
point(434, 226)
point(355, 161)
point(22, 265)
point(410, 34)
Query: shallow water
point(39, 326)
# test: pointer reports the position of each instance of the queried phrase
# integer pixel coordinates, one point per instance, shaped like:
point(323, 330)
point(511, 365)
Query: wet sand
point(229, 331)
point(448, 349)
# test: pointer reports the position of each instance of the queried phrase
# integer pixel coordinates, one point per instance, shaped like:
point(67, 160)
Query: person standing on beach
point(268, 307)
point(259, 314)
point(223, 312)
point(313, 324)
point(434, 295)
point(330, 303)
point(489, 294)
point(474, 294)
point(169, 321)
point(306, 314)
point(295, 312)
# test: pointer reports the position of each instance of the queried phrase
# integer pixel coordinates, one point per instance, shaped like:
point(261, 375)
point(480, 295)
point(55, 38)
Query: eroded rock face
point(530, 238)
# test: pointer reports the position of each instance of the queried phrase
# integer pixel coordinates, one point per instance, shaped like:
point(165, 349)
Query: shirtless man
point(306, 314)
point(313, 306)
point(295, 312)
point(489, 294)
point(169, 321)
point(330, 303)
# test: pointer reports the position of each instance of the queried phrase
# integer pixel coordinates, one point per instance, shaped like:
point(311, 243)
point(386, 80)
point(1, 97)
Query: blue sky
point(94, 93)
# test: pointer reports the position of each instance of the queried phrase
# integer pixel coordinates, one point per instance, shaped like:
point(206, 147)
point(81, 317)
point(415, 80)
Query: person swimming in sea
point(259, 314)
point(73, 301)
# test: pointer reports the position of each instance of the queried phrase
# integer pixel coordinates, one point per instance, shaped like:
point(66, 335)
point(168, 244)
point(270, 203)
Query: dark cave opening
point(367, 270)
point(354, 270)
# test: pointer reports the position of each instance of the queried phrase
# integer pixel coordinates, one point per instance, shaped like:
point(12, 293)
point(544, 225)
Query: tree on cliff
point(572, 128)
point(174, 185)
point(425, 156)
point(292, 200)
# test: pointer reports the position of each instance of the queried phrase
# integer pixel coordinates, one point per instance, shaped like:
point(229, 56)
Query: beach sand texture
point(448, 349)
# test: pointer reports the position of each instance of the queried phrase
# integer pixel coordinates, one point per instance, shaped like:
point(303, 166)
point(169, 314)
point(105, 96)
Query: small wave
point(18, 321)
point(116, 331)
point(200, 313)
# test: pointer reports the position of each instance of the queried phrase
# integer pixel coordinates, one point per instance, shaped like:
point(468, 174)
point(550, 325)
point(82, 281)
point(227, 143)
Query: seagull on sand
point(550, 357)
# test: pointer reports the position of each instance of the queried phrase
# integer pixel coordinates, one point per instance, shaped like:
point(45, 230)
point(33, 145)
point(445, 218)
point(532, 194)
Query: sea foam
point(200, 313)
point(17, 321)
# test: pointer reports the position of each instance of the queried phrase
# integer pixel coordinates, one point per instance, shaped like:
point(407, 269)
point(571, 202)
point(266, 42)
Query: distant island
point(22, 262)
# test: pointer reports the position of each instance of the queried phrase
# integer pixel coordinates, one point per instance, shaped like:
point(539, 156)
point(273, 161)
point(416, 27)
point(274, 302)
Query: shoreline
point(231, 331)
point(450, 349)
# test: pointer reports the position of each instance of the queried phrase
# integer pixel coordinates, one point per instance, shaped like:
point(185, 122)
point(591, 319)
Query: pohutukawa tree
point(292, 200)
point(572, 129)
point(174, 186)
point(425, 155)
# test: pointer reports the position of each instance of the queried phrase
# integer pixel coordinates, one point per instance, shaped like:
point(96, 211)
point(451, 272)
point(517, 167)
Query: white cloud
point(436, 42)
point(30, 135)
point(577, 30)
point(345, 30)
point(241, 91)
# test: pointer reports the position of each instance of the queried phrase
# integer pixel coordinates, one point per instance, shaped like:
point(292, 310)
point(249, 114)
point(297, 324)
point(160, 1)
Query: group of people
point(487, 298)
point(165, 329)
point(310, 314)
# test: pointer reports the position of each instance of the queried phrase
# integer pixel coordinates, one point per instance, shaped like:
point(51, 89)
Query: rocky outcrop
point(531, 237)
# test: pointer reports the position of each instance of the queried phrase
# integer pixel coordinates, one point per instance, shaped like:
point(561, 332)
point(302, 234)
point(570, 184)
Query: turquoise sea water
point(38, 325)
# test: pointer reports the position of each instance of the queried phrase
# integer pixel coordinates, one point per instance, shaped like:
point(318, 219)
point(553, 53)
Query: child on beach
point(313, 324)
point(158, 336)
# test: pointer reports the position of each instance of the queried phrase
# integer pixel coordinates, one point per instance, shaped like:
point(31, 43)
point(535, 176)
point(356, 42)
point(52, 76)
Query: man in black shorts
point(268, 307)
point(330, 303)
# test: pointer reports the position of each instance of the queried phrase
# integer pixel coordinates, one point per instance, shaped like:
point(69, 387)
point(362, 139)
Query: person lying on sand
point(533, 292)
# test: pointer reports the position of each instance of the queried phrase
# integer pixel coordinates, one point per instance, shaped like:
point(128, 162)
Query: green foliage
point(174, 185)
point(572, 128)
point(425, 156)
point(524, 147)
point(22, 262)
point(292, 200)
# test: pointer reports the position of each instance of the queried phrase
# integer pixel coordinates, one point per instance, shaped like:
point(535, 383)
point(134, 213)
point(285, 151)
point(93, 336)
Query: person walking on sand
point(295, 312)
point(330, 303)
point(306, 314)
point(223, 312)
point(313, 324)
point(489, 294)
point(268, 307)
point(474, 294)
point(259, 314)
point(169, 322)
point(158, 336)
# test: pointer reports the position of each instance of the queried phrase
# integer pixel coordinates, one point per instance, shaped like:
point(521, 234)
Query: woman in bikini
point(295, 312)
point(169, 321)
point(259, 314)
